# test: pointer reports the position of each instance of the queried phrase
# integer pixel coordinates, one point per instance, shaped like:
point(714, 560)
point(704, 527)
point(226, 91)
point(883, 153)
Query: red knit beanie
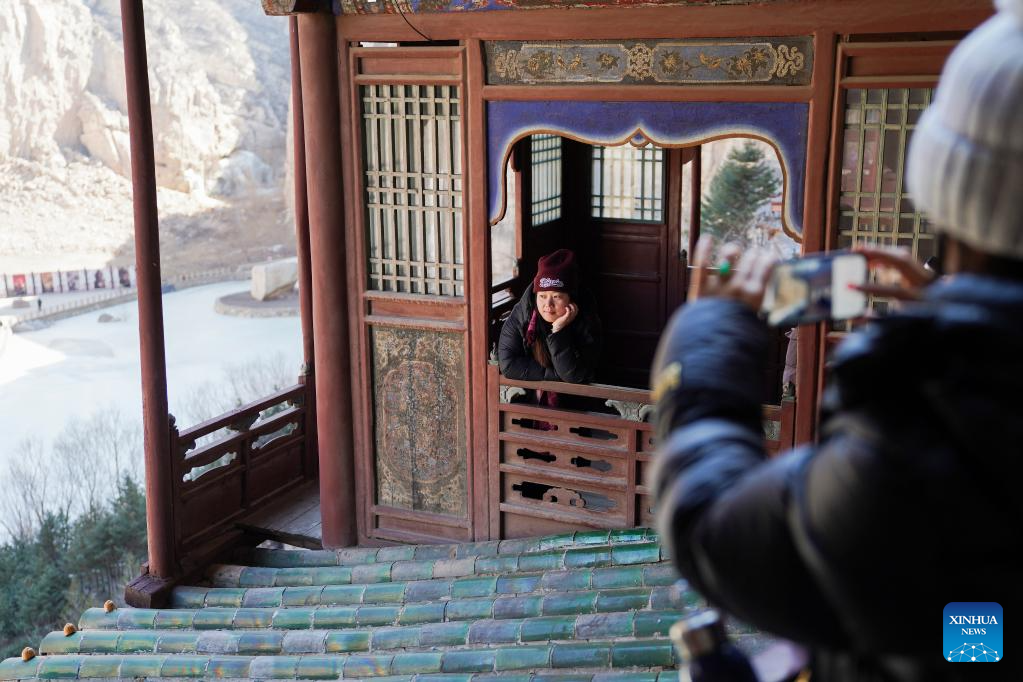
point(556, 272)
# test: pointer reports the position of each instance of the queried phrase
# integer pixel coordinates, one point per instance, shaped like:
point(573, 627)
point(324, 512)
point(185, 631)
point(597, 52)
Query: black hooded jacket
point(908, 502)
point(574, 350)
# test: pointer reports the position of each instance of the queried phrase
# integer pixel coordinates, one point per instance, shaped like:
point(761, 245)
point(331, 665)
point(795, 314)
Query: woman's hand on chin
point(571, 311)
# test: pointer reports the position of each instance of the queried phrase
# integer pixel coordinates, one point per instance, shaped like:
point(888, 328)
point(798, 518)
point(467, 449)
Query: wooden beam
point(704, 21)
point(280, 8)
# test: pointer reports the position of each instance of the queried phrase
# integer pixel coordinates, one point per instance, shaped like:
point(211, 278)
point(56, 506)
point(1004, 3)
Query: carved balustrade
point(230, 465)
point(554, 469)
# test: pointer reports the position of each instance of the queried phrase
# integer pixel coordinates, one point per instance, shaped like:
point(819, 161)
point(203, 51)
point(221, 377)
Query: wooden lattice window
point(545, 159)
point(412, 151)
point(628, 183)
point(874, 204)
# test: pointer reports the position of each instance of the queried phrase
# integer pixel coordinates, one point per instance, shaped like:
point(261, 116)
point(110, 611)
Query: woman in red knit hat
point(553, 333)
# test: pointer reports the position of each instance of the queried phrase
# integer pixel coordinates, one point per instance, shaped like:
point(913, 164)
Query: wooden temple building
point(423, 128)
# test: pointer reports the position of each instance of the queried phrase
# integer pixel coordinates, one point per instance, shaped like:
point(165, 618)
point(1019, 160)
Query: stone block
point(273, 279)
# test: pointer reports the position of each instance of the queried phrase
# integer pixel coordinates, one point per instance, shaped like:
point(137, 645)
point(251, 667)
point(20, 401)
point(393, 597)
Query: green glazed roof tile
point(99, 667)
point(301, 596)
point(587, 556)
point(273, 667)
point(444, 634)
point(415, 614)
point(368, 665)
point(427, 590)
point(586, 606)
point(410, 570)
point(522, 657)
point(434, 552)
point(591, 537)
point(334, 617)
point(57, 643)
point(640, 553)
point(213, 619)
point(395, 638)
point(518, 607)
point(177, 642)
point(342, 595)
point(468, 661)
point(371, 573)
point(604, 625)
point(347, 642)
point(330, 575)
point(141, 666)
point(588, 655)
point(96, 642)
point(319, 668)
point(137, 642)
point(474, 587)
point(548, 629)
point(617, 576)
point(253, 618)
point(17, 669)
point(256, 597)
point(59, 667)
point(184, 666)
point(556, 541)
point(99, 618)
point(643, 653)
point(469, 609)
point(293, 619)
point(188, 598)
point(517, 584)
point(494, 631)
point(417, 663)
point(377, 615)
point(231, 596)
point(171, 619)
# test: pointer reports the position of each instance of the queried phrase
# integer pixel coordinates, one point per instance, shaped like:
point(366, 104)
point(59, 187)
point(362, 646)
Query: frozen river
point(79, 366)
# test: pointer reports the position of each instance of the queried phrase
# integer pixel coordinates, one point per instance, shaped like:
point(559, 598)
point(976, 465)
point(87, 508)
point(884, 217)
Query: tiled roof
point(579, 607)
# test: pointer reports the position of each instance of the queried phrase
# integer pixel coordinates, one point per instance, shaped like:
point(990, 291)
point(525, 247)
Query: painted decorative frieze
point(431, 6)
point(767, 61)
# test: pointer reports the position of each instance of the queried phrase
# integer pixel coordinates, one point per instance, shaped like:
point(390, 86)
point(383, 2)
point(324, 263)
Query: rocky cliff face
point(219, 80)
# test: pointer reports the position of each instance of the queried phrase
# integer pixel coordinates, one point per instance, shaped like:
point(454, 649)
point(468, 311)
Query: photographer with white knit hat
point(909, 500)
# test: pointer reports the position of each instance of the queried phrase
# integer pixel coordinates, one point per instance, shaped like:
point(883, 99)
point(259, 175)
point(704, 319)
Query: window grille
point(874, 206)
point(545, 159)
point(628, 183)
point(412, 155)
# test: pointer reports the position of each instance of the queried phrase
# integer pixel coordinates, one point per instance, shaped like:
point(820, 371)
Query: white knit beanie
point(966, 158)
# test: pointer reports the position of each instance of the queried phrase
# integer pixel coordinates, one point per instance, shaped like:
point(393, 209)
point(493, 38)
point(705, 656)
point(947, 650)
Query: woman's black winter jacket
point(574, 351)
point(910, 499)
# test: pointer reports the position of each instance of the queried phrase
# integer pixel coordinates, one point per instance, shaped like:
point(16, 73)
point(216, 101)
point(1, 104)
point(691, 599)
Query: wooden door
point(407, 127)
point(635, 269)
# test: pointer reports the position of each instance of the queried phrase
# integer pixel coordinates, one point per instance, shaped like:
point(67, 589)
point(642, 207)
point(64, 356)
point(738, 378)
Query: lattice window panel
point(545, 159)
point(628, 183)
point(874, 206)
point(412, 155)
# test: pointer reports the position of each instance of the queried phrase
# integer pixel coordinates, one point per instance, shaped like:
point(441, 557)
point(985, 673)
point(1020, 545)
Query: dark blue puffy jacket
point(908, 501)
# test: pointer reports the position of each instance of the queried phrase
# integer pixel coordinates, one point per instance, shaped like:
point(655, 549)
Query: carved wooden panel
point(419, 409)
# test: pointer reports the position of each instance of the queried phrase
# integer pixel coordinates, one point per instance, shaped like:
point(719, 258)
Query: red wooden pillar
point(155, 421)
point(317, 38)
point(305, 277)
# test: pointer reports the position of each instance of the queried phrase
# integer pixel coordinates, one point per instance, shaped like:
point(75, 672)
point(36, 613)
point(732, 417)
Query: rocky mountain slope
point(220, 82)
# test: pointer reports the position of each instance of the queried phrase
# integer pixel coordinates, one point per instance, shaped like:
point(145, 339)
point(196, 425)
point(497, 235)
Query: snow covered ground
point(79, 366)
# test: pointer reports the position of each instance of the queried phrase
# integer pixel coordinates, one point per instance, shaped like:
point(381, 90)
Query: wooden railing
point(230, 465)
point(556, 469)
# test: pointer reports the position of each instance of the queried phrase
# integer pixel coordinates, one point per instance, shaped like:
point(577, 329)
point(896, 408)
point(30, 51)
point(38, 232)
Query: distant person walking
point(39, 304)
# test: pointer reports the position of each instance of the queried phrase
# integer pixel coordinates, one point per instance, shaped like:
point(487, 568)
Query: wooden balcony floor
point(293, 520)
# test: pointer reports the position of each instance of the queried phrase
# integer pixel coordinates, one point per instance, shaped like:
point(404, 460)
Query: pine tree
point(741, 186)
